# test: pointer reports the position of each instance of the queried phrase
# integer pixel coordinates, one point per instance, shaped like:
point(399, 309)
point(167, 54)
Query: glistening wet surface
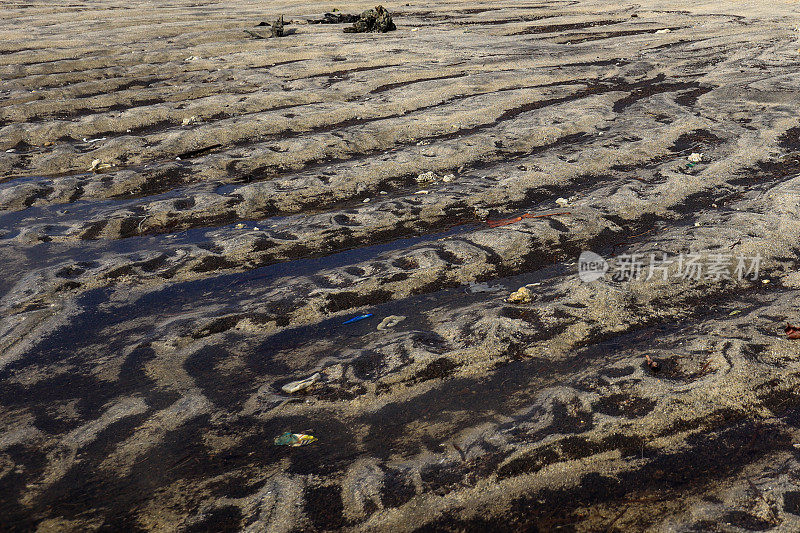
point(193, 220)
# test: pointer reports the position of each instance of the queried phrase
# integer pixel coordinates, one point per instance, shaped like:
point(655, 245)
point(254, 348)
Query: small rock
point(390, 322)
point(562, 202)
point(188, 121)
point(695, 157)
point(427, 177)
point(447, 178)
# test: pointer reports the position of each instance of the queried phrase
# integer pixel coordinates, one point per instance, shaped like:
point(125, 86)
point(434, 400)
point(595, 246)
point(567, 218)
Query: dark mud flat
point(261, 192)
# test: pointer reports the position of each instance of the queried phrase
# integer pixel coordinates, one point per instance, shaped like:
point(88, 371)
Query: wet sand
point(260, 193)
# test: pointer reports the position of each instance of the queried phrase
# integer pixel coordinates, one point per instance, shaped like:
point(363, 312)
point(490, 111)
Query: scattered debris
point(423, 191)
point(665, 30)
point(506, 221)
point(426, 177)
point(93, 140)
point(523, 295)
point(188, 121)
point(336, 18)
point(695, 157)
point(294, 439)
point(297, 386)
point(357, 318)
point(390, 322)
point(792, 332)
point(10, 151)
point(99, 166)
point(375, 20)
point(562, 202)
point(654, 366)
point(447, 178)
point(481, 213)
point(366, 200)
point(192, 58)
point(277, 27)
point(239, 226)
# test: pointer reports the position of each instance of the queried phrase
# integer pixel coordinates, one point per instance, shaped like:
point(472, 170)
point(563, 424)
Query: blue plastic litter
point(357, 318)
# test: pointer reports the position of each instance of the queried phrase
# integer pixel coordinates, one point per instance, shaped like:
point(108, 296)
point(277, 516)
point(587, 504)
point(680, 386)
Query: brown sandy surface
point(262, 192)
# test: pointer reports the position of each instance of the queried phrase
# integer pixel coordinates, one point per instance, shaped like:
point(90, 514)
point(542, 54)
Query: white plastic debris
point(366, 200)
point(476, 288)
point(562, 202)
point(297, 386)
point(10, 151)
point(695, 157)
point(665, 30)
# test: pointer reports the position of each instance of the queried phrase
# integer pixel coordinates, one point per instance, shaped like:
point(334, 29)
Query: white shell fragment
point(99, 166)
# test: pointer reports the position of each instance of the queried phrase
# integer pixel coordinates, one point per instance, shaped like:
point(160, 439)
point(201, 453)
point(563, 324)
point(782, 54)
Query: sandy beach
point(516, 266)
